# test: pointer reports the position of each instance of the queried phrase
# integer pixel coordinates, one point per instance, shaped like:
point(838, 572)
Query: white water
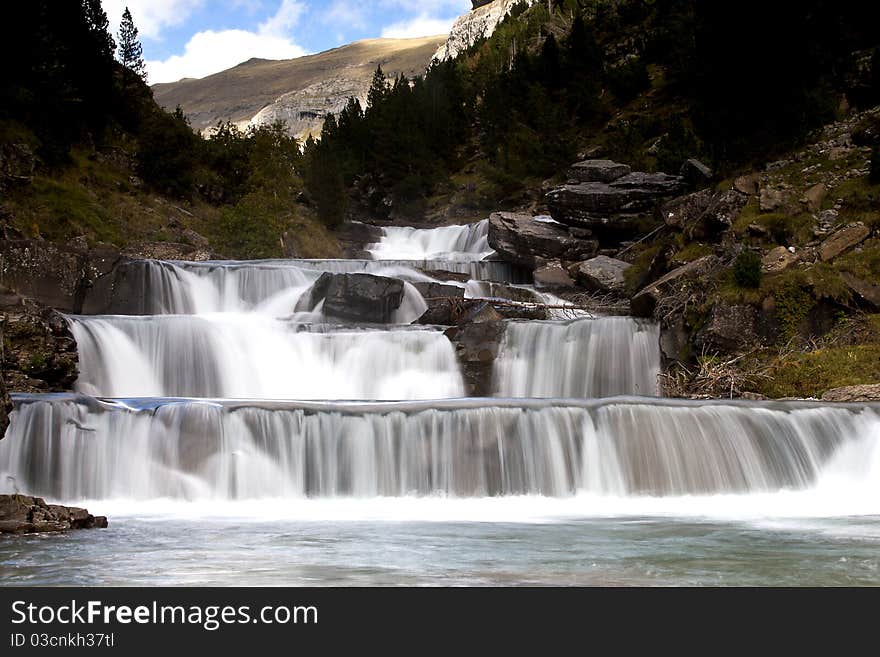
point(255, 356)
point(469, 242)
point(618, 450)
point(599, 357)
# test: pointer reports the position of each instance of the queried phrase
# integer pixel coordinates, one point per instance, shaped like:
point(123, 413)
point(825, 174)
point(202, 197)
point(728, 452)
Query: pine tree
point(378, 89)
point(131, 53)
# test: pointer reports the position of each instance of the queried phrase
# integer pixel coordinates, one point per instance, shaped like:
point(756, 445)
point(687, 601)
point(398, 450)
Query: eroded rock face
point(518, 238)
point(356, 297)
point(22, 514)
point(479, 23)
point(603, 274)
point(40, 353)
point(55, 275)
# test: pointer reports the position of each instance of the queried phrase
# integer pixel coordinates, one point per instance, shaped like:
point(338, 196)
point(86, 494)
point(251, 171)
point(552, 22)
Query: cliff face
point(477, 24)
point(300, 91)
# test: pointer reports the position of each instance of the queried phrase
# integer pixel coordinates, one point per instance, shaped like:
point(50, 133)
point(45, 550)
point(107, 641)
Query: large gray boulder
point(520, 239)
point(862, 393)
point(603, 274)
point(729, 328)
point(355, 297)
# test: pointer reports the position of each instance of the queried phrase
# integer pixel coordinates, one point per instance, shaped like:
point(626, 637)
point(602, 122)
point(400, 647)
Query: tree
point(131, 53)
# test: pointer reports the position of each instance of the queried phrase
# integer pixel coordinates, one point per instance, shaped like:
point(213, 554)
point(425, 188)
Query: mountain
point(479, 23)
point(299, 91)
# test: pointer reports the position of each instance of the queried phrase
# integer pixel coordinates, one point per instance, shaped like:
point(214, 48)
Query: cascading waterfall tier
point(256, 356)
point(73, 448)
point(600, 357)
point(469, 242)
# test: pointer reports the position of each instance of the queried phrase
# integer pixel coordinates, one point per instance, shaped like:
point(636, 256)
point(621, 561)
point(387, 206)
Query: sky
point(195, 38)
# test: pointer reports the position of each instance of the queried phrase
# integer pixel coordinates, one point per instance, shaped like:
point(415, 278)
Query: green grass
point(811, 374)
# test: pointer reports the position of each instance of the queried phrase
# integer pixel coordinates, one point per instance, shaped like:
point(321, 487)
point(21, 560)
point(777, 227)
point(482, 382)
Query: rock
point(724, 210)
point(861, 393)
point(604, 171)
point(553, 275)
point(814, 197)
point(477, 346)
point(55, 275)
point(603, 274)
point(439, 291)
point(475, 25)
point(686, 210)
point(192, 237)
point(39, 352)
point(728, 328)
point(695, 173)
point(5, 401)
point(660, 184)
point(356, 297)
point(867, 292)
point(843, 240)
point(747, 184)
point(828, 218)
point(518, 238)
point(752, 396)
point(867, 132)
point(758, 230)
point(777, 260)
point(17, 164)
point(644, 303)
point(22, 514)
point(772, 199)
point(452, 312)
point(675, 343)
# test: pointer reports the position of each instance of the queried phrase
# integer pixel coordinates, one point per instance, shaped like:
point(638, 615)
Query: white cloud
point(211, 51)
point(150, 16)
point(421, 25)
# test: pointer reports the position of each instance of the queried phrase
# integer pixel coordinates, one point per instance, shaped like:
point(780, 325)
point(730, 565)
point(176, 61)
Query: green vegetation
point(747, 269)
point(811, 374)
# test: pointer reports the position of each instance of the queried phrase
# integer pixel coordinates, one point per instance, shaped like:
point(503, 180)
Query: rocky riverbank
point(21, 514)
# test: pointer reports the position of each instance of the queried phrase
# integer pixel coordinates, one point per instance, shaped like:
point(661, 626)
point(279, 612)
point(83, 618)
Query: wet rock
point(862, 393)
point(604, 171)
point(728, 328)
point(777, 260)
point(452, 312)
point(518, 238)
point(439, 291)
point(22, 514)
point(644, 303)
point(477, 346)
point(843, 240)
point(603, 274)
point(553, 275)
point(356, 297)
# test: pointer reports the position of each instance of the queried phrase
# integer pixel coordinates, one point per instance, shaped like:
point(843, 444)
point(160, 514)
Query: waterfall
point(469, 242)
point(74, 448)
point(599, 357)
point(256, 356)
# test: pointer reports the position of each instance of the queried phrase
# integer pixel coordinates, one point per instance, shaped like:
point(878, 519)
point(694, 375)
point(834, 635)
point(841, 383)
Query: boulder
point(644, 303)
point(728, 328)
point(355, 297)
point(553, 275)
point(452, 312)
point(22, 514)
point(747, 184)
point(430, 290)
point(659, 184)
point(685, 211)
point(869, 293)
point(814, 197)
point(862, 393)
point(724, 210)
point(843, 240)
point(695, 173)
point(704, 214)
point(777, 260)
point(604, 171)
point(476, 346)
point(772, 199)
point(603, 274)
point(518, 238)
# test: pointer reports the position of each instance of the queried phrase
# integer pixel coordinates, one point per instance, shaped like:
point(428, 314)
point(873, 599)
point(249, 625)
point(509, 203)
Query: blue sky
point(194, 38)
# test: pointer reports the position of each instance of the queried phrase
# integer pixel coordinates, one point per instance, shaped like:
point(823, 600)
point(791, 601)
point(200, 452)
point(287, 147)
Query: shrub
point(875, 165)
point(747, 269)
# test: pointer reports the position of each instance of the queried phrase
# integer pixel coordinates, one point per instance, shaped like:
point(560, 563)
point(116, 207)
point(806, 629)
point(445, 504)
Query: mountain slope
point(300, 91)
